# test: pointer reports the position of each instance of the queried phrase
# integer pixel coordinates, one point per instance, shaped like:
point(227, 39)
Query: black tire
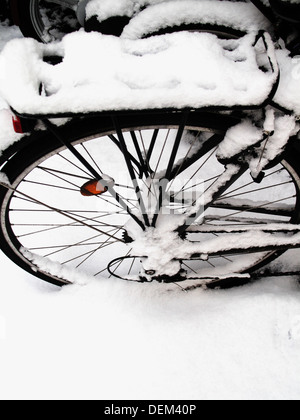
point(286, 10)
point(43, 144)
point(28, 15)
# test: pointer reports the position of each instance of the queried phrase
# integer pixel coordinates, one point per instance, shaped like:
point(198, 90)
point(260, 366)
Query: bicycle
point(181, 201)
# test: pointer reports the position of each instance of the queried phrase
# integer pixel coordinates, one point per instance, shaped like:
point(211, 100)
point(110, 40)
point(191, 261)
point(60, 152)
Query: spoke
point(116, 262)
point(256, 208)
point(201, 182)
point(176, 145)
point(91, 252)
point(82, 243)
point(100, 272)
point(229, 176)
point(68, 215)
point(255, 190)
point(59, 177)
point(118, 144)
point(55, 224)
point(129, 201)
point(104, 213)
point(73, 224)
point(56, 227)
point(103, 245)
point(195, 173)
point(89, 255)
point(107, 200)
point(145, 153)
point(119, 264)
point(226, 258)
point(62, 172)
point(222, 256)
point(78, 245)
point(210, 263)
point(205, 191)
point(159, 199)
point(137, 173)
point(131, 171)
point(184, 160)
point(251, 182)
point(76, 258)
point(161, 153)
point(74, 164)
point(56, 133)
point(173, 155)
point(92, 159)
point(128, 187)
point(50, 185)
point(36, 232)
point(152, 144)
point(130, 268)
point(190, 268)
point(211, 144)
point(145, 162)
point(153, 175)
point(139, 153)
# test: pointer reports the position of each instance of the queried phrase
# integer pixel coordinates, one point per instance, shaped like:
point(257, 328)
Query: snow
point(112, 340)
point(106, 9)
point(288, 92)
point(119, 341)
point(140, 74)
point(284, 128)
point(276, 131)
point(7, 33)
point(242, 16)
point(239, 138)
point(163, 13)
point(4, 179)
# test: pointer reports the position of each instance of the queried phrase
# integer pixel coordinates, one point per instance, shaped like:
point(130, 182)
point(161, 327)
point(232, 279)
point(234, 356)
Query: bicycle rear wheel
point(59, 224)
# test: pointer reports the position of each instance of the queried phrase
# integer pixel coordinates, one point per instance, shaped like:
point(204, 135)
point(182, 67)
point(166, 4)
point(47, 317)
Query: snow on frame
point(171, 71)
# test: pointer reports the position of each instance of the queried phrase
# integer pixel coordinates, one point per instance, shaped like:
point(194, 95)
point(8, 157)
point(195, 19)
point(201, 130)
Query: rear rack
point(140, 78)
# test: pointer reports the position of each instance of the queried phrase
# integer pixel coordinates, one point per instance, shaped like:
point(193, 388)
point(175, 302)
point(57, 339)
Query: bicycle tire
point(27, 15)
point(45, 146)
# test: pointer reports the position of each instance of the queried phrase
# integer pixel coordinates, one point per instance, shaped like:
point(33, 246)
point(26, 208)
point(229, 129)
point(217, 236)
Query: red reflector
point(92, 187)
point(17, 125)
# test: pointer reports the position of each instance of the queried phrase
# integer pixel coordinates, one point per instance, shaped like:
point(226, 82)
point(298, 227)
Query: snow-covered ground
point(113, 340)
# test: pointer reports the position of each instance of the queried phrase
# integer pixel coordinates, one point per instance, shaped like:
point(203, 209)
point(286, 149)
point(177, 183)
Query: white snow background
point(113, 340)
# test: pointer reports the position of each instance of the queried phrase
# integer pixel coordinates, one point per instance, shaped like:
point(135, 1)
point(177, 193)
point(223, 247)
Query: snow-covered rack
point(97, 73)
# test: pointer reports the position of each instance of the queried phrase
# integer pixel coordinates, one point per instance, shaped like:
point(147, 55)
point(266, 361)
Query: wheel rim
point(103, 248)
point(48, 21)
